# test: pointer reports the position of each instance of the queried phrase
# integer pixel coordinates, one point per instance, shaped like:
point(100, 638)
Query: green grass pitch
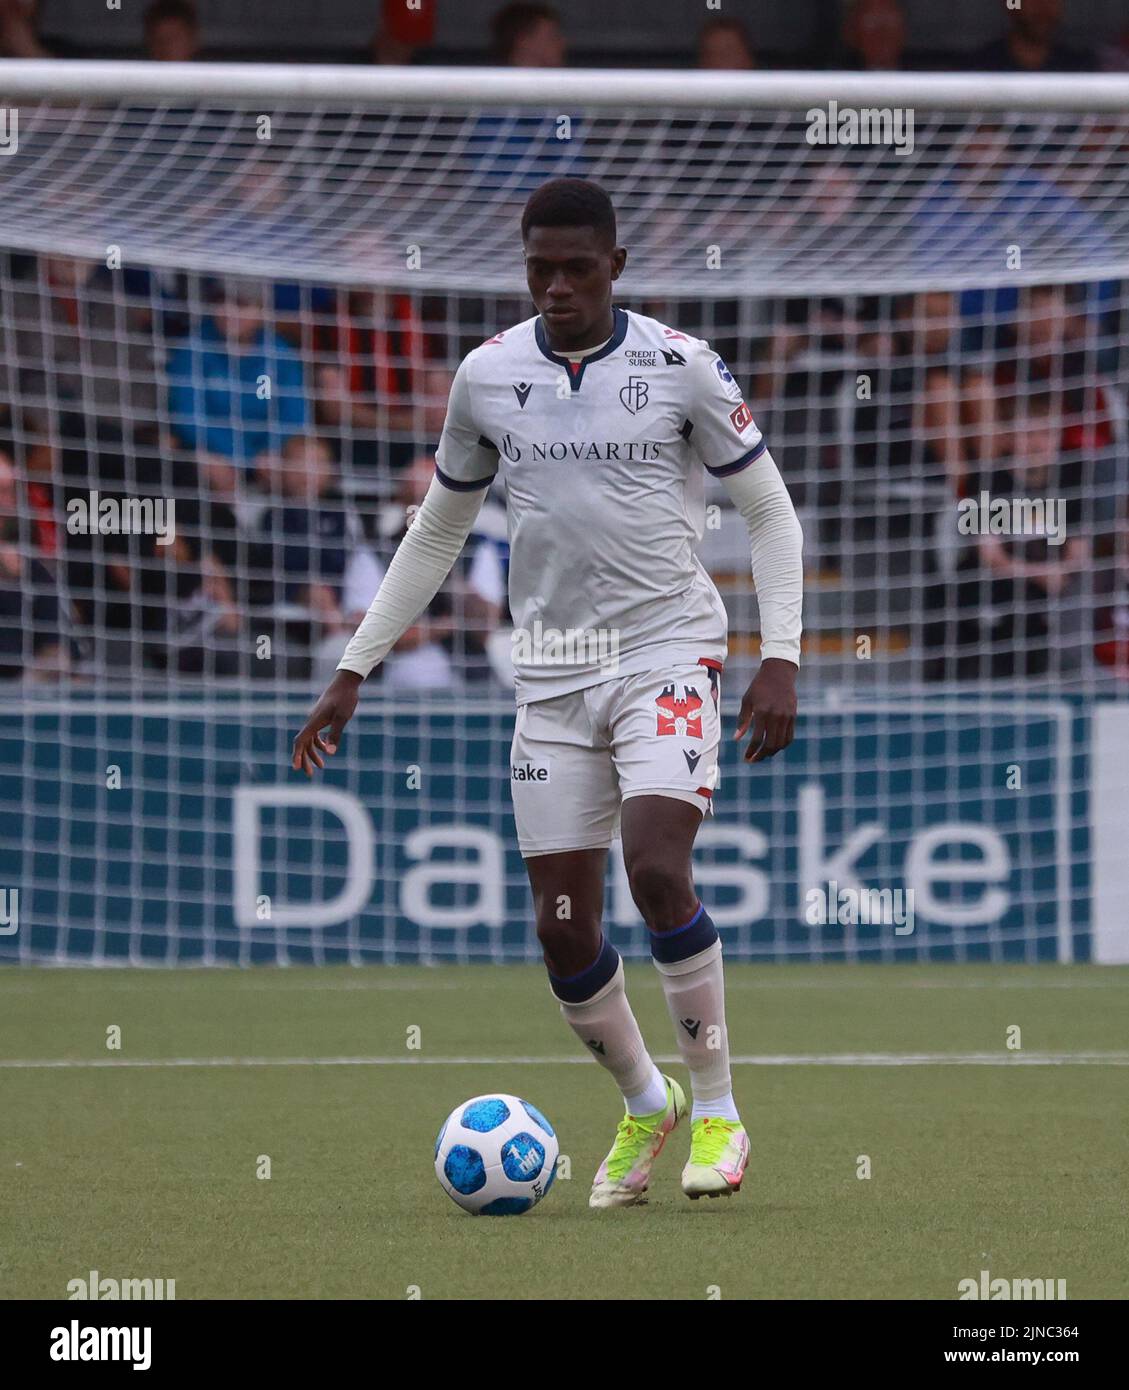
point(151, 1171)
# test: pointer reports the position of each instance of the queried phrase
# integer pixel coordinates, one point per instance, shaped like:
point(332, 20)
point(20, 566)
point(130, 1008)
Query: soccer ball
point(496, 1155)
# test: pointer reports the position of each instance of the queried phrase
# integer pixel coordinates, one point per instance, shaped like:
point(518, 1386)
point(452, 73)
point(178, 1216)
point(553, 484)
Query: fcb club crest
point(679, 715)
point(634, 395)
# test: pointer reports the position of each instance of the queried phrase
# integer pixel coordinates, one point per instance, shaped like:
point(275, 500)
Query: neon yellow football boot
point(623, 1176)
point(719, 1151)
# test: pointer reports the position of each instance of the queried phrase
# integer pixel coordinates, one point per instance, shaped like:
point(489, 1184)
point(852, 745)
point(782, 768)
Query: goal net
point(231, 303)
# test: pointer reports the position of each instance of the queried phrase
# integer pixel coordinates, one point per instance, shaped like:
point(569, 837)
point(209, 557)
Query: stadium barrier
point(173, 832)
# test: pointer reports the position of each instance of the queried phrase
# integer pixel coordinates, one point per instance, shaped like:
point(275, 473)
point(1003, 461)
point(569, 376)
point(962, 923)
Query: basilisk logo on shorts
point(681, 716)
point(692, 759)
point(529, 771)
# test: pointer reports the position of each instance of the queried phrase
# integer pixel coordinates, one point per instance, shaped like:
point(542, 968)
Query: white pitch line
point(798, 1059)
point(148, 983)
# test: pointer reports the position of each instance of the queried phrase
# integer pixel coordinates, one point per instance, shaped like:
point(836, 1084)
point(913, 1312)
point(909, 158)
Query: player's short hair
point(512, 21)
point(571, 203)
point(183, 11)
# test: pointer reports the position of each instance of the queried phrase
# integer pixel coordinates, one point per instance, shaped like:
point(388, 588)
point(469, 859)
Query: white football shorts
point(576, 758)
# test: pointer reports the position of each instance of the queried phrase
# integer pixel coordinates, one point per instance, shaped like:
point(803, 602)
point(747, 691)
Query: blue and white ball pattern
point(496, 1155)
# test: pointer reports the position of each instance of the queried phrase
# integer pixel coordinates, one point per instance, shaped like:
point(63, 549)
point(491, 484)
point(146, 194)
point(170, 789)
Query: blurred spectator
point(375, 353)
point(724, 45)
point(172, 31)
point(802, 361)
point(990, 195)
point(402, 31)
point(318, 551)
point(302, 313)
point(188, 598)
point(1114, 56)
point(1045, 344)
point(1046, 349)
point(19, 30)
point(30, 640)
point(77, 344)
point(1111, 625)
point(528, 35)
point(453, 631)
point(908, 423)
point(1031, 43)
point(236, 391)
point(389, 451)
point(518, 152)
point(991, 198)
point(874, 35)
point(421, 660)
point(1001, 616)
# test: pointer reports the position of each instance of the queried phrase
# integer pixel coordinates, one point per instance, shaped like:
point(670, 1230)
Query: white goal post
point(439, 157)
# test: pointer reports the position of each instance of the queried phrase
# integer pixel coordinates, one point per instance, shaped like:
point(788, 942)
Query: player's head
point(571, 257)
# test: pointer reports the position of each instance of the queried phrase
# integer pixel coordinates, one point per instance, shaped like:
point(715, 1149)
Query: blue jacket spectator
point(985, 206)
point(236, 390)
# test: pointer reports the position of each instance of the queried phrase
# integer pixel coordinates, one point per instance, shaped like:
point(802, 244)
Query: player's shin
point(594, 1003)
point(688, 960)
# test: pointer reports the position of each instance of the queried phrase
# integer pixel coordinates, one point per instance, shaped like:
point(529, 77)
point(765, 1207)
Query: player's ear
point(619, 260)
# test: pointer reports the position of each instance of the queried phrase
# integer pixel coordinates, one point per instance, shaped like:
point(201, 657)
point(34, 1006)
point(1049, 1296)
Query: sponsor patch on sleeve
point(725, 376)
point(742, 418)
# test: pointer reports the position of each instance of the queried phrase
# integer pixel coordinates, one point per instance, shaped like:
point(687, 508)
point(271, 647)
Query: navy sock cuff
point(699, 934)
point(577, 989)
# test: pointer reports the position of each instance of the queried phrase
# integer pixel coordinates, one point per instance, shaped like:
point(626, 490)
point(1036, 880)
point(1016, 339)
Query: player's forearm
point(777, 542)
point(422, 562)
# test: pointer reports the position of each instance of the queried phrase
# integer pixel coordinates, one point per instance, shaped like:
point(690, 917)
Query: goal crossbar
point(297, 83)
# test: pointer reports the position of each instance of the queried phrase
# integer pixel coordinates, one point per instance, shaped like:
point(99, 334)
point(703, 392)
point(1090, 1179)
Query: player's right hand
point(333, 711)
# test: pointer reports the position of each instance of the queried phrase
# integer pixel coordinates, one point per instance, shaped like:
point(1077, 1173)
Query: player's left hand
point(769, 705)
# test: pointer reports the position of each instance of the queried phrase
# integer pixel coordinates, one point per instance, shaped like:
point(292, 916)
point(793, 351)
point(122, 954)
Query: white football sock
point(607, 1028)
point(650, 1101)
point(724, 1108)
point(695, 996)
